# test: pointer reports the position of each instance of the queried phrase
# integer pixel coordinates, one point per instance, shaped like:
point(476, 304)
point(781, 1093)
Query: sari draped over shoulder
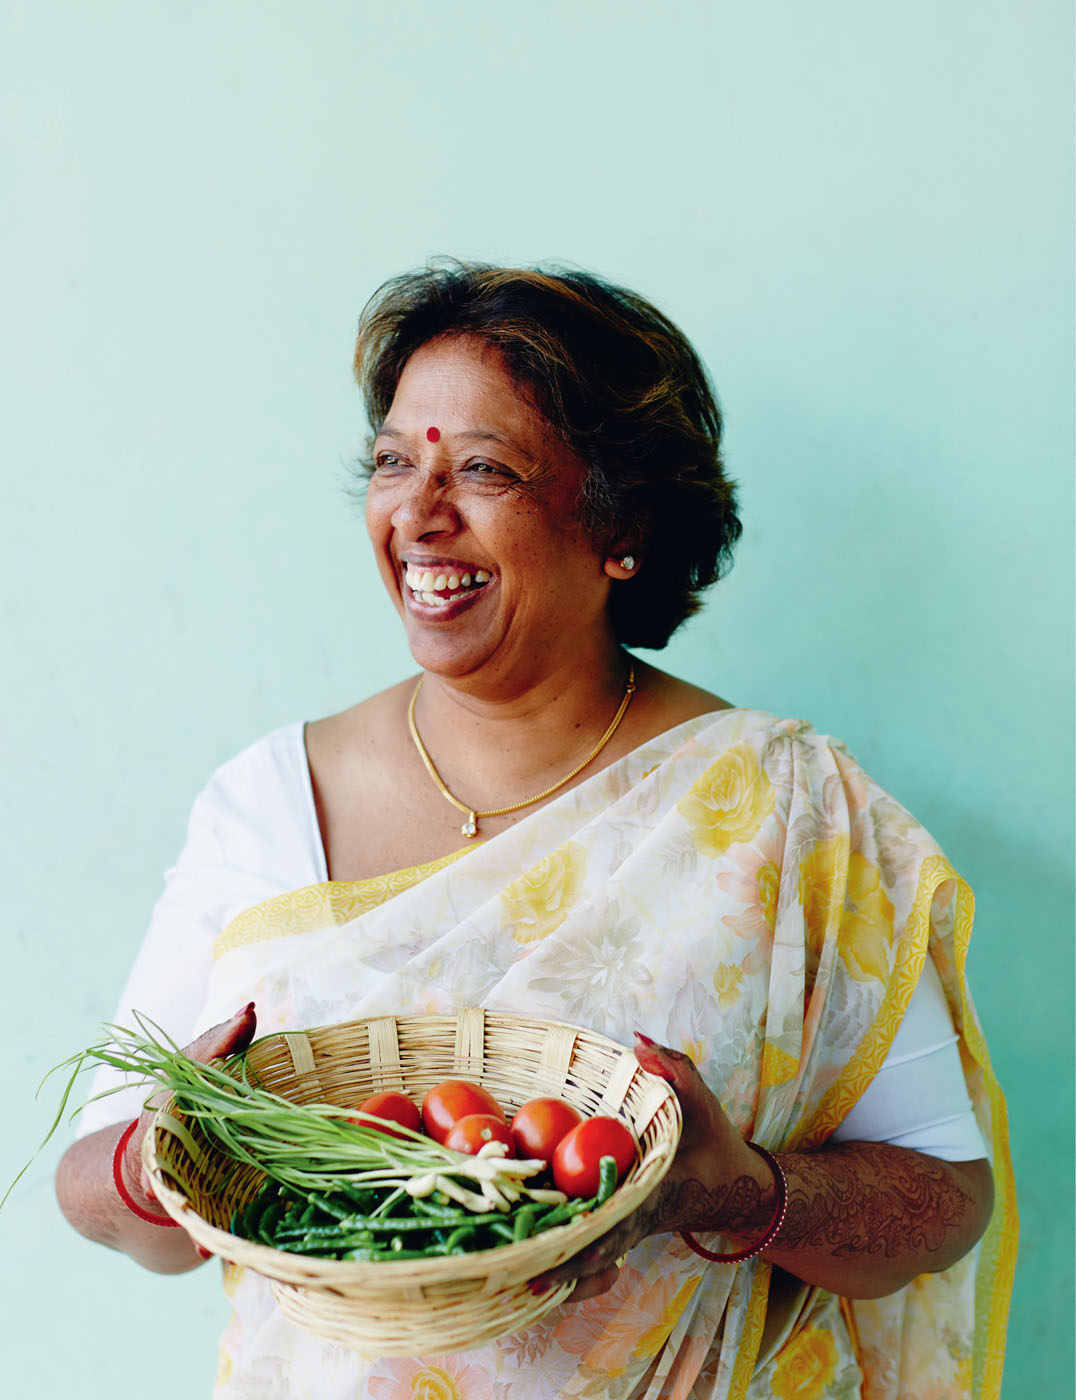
point(739, 889)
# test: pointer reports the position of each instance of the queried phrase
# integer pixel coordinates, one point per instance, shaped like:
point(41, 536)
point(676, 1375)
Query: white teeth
point(429, 587)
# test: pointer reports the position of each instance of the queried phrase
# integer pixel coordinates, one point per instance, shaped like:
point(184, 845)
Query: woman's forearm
point(86, 1189)
point(88, 1198)
point(863, 1219)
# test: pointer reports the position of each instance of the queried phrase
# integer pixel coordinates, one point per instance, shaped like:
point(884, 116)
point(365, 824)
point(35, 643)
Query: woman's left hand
point(711, 1157)
point(863, 1218)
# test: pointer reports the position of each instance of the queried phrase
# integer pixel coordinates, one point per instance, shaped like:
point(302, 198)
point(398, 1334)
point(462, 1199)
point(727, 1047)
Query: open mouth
point(439, 587)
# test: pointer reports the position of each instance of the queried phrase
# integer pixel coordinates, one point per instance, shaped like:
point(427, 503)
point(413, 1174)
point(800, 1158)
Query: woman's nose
point(425, 506)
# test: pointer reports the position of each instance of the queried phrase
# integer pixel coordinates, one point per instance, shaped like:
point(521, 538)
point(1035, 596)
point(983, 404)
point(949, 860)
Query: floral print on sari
point(737, 887)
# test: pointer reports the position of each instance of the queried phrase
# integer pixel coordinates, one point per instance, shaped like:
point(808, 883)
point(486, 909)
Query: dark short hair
point(618, 383)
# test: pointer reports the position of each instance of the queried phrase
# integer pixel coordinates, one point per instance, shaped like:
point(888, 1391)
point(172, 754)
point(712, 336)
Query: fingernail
point(645, 1039)
point(203, 1253)
point(245, 1011)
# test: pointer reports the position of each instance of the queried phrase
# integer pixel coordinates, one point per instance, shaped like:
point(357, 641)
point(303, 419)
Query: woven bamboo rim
point(415, 1307)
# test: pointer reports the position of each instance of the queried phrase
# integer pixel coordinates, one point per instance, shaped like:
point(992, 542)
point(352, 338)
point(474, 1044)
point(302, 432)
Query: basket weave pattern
point(412, 1307)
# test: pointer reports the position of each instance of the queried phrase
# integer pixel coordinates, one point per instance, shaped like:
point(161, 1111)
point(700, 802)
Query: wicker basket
point(416, 1307)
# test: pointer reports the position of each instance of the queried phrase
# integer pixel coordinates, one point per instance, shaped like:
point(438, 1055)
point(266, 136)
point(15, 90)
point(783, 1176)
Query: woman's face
point(471, 512)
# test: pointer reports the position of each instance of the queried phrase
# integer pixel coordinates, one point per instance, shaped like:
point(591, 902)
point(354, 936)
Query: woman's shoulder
point(256, 811)
point(363, 733)
point(274, 757)
point(673, 701)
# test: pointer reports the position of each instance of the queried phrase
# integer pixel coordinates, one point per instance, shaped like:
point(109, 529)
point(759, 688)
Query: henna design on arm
point(849, 1202)
point(867, 1199)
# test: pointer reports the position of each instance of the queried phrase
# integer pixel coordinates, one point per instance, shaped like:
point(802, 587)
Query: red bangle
point(771, 1230)
point(125, 1195)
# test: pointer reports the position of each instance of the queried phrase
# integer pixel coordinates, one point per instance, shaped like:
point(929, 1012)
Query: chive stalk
point(306, 1147)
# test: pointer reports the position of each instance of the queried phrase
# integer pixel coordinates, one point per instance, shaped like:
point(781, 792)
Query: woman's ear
point(621, 566)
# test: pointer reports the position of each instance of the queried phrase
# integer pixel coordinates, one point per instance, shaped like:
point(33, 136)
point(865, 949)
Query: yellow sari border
point(998, 1248)
point(317, 906)
point(1000, 1244)
point(870, 1054)
point(754, 1325)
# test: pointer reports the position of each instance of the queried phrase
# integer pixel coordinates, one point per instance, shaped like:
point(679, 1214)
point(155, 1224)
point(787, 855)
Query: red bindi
point(433, 434)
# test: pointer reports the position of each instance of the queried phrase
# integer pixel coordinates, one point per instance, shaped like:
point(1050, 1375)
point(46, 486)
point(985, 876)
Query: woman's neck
point(494, 748)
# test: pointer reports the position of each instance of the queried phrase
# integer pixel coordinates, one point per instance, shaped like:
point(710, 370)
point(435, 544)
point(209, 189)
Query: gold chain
point(470, 826)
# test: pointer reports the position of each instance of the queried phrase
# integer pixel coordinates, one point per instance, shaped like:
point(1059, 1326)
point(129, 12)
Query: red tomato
point(579, 1153)
point(471, 1134)
point(392, 1106)
point(539, 1126)
point(452, 1100)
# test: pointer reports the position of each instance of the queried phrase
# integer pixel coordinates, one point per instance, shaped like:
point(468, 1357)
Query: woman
point(540, 823)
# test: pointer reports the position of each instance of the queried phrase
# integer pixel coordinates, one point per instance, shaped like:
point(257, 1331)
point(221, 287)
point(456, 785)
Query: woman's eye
point(385, 460)
point(486, 469)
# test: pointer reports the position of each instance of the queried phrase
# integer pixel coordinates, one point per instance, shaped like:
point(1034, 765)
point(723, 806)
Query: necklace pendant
point(470, 826)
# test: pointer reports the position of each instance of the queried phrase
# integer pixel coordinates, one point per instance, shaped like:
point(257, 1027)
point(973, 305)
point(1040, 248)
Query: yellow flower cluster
point(806, 1366)
point(729, 803)
point(841, 892)
point(538, 902)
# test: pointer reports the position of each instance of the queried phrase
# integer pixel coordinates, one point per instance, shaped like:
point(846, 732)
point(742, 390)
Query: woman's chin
point(443, 654)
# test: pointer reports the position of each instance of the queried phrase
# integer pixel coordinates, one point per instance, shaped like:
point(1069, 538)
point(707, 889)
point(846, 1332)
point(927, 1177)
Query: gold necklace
point(470, 826)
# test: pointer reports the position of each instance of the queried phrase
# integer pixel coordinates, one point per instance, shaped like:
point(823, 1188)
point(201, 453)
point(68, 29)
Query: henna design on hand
point(740, 1206)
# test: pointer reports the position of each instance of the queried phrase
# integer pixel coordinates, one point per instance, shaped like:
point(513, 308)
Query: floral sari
point(739, 889)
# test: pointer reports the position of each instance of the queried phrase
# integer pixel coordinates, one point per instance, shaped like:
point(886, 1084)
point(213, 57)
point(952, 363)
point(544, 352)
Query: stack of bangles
point(771, 1230)
point(125, 1195)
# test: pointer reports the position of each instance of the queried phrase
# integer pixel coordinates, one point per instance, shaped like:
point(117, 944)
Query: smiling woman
point(545, 489)
point(476, 519)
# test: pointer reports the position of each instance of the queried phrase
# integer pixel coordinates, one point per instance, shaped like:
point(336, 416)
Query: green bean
point(524, 1222)
point(371, 1255)
point(321, 1249)
point(607, 1177)
point(558, 1215)
point(327, 1205)
point(445, 1215)
point(563, 1213)
point(455, 1243)
point(268, 1222)
point(382, 1225)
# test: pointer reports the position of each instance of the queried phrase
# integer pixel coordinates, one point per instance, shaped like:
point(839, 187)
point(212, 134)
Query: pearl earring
point(628, 562)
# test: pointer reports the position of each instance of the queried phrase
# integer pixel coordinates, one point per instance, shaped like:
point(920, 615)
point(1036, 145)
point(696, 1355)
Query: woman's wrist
point(742, 1207)
point(127, 1178)
point(737, 1196)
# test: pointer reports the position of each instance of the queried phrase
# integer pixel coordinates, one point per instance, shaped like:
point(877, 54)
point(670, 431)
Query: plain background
point(860, 214)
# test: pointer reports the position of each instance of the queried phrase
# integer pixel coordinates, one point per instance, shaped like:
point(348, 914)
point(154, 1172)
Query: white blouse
point(253, 833)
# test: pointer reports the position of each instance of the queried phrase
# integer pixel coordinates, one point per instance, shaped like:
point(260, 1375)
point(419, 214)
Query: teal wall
point(860, 213)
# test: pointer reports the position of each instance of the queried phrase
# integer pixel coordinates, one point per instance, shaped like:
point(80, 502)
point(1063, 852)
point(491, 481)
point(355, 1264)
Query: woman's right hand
point(213, 1044)
point(86, 1189)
